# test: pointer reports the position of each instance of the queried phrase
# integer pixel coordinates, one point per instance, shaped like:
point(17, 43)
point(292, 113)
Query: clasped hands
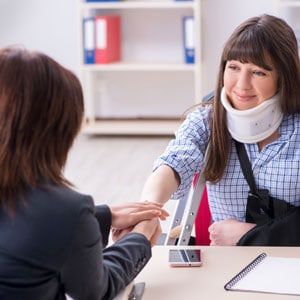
point(228, 232)
point(139, 217)
point(143, 217)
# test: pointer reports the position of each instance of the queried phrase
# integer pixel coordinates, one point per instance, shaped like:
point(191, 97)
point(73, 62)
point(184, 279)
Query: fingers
point(150, 214)
point(139, 207)
point(152, 209)
point(119, 233)
point(212, 229)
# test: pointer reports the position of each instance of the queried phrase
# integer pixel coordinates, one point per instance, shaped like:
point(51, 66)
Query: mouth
point(243, 98)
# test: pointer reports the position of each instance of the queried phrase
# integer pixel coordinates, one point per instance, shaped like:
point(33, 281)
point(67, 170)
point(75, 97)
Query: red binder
point(108, 39)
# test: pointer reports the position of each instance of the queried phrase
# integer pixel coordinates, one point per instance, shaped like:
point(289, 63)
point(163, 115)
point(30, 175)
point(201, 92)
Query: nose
point(244, 81)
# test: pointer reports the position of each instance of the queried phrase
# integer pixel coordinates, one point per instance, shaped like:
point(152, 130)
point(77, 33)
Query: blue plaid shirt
point(276, 167)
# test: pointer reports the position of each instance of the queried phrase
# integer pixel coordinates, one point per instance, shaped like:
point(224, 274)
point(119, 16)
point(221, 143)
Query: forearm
point(86, 273)
point(160, 185)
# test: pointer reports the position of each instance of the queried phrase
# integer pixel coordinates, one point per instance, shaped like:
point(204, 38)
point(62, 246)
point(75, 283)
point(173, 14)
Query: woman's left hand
point(129, 214)
point(228, 232)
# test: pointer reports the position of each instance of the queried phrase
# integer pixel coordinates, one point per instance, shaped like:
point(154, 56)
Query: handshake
point(138, 217)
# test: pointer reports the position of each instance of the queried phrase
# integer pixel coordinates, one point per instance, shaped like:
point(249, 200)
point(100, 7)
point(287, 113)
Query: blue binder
point(189, 39)
point(89, 40)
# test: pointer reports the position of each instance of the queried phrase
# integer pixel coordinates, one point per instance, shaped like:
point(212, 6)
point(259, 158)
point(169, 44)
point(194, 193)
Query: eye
point(259, 73)
point(233, 67)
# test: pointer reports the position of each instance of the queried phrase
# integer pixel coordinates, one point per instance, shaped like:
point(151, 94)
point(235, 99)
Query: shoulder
point(290, 124)
point(196, 126)
point(199, 117)
point(293, 118)
point(61, 203)
point(201, 112)
point(64, 195)
point(45, 224)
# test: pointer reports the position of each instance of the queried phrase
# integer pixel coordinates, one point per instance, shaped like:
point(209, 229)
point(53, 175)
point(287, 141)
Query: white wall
point(52, 26)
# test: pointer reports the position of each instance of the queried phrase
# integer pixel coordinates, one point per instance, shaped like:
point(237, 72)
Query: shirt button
point(255, 171)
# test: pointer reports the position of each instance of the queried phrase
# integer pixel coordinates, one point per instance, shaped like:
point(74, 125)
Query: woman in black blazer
point(52, 238)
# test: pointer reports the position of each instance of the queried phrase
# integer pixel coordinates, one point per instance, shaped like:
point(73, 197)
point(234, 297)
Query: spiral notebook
point(268, 274)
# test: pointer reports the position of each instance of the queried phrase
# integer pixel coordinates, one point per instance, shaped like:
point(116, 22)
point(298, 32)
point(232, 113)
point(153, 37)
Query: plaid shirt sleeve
point(185, 153)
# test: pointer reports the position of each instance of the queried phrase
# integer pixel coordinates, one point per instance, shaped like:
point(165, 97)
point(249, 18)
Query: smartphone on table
point(185, 258)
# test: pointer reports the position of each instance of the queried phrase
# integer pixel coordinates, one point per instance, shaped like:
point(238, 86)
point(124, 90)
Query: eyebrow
point(266, 67)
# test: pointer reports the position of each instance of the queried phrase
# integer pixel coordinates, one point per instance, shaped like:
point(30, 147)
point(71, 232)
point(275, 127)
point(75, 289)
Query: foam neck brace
point(255, 124)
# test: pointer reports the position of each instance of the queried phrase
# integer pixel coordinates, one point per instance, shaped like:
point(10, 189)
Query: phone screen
point(185, 257)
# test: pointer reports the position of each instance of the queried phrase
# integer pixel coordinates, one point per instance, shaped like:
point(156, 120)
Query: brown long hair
point(254, 41)
point(41, 110)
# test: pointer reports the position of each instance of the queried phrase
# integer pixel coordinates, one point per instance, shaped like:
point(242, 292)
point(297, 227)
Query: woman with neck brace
point(256, 102)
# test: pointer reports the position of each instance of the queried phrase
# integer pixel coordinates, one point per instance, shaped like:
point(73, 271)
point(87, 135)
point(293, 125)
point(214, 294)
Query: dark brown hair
point(257, 40)
point(41, 110)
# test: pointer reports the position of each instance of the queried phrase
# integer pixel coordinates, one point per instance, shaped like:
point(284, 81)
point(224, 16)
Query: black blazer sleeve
point(103, 216)
point(93, 273)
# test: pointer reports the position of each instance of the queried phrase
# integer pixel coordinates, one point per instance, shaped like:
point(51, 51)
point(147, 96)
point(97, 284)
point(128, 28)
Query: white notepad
point(266, 274)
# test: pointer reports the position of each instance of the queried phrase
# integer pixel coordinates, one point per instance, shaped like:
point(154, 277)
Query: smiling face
point(248, 85)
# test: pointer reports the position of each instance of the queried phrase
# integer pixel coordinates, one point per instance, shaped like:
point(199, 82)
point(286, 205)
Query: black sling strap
point(246, 166)
point(258, 200)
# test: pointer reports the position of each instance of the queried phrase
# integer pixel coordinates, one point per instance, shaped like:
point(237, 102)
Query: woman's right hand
point(151, 229)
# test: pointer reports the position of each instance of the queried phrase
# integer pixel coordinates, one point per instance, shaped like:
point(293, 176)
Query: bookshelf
point(146, 92)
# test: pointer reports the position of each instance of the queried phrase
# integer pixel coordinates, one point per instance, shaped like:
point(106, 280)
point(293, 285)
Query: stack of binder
point(102, 39)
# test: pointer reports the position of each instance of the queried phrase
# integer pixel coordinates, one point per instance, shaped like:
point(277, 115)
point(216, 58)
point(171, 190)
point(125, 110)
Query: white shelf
point(152, 81)
point(131, 127)
point(123, 66)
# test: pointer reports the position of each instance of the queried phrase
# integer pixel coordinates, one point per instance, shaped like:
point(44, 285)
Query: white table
point(207, 282)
